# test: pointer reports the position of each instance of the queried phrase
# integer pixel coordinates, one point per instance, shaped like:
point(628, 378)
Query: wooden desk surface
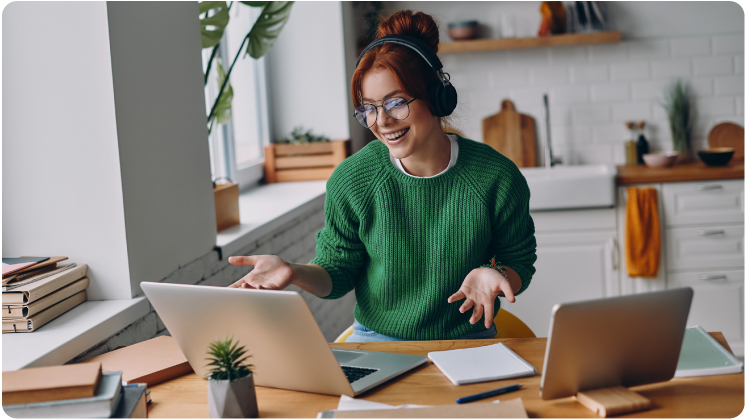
point(704, 396)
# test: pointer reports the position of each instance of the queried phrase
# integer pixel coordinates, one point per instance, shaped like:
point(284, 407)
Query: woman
point(412, 218)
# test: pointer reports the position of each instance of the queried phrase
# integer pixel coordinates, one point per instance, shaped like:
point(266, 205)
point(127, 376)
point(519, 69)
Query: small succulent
point(299, 136)
point(228, 360)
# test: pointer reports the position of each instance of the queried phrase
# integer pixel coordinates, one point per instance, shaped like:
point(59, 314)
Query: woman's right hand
point(270, 272)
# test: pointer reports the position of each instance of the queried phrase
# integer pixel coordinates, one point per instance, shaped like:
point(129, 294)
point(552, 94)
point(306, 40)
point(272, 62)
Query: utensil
point(660, 159)
point(511, 134)
point(716, 156)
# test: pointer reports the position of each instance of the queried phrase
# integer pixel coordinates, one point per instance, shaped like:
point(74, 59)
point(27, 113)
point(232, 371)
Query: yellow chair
point(508, 326)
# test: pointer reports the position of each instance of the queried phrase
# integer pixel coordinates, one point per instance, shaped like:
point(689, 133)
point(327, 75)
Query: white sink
point(570, 187)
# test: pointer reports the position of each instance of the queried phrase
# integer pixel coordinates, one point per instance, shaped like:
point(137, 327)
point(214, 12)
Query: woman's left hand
point(480, 289)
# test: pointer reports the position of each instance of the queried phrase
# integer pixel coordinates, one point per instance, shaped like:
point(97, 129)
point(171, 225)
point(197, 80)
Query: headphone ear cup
point(443, 98)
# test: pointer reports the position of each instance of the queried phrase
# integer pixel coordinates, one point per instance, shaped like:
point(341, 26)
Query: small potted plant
point(230, 386)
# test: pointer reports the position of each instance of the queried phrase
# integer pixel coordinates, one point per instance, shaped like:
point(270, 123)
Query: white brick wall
point(294, 242)
point(593, 89)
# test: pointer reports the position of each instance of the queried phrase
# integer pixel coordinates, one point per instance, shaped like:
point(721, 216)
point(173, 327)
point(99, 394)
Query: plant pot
point(232, 399)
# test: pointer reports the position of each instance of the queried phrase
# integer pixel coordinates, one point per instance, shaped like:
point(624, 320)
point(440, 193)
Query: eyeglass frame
point(384, 110)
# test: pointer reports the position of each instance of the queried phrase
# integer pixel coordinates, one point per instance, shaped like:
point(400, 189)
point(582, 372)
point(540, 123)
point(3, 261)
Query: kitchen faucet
point(549, 160)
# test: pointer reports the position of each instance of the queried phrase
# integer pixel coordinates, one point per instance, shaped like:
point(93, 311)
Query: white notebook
point(481, 364)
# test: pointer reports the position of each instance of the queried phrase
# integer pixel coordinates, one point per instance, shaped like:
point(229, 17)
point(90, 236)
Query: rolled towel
point(643, 233)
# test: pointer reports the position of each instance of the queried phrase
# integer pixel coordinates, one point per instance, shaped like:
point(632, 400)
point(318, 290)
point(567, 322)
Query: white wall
point(593, 89)
point(306, 73)
point(105, 146)
point(62, 192)
point(161, 125)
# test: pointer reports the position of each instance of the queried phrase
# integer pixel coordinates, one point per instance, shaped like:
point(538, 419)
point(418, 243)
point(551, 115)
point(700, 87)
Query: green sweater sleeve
point(513, 241)
point(339, 249)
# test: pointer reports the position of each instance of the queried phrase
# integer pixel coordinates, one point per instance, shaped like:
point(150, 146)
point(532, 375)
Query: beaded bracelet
point(497, 266)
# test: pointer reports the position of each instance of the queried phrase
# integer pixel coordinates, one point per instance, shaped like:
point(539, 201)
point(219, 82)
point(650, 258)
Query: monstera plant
point(214, 17)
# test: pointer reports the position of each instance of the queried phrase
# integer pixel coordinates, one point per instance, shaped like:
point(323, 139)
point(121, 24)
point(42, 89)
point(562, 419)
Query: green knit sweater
point(406, 244)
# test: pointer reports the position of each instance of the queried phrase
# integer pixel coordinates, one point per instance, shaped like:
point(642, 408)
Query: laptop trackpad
point(346, 356)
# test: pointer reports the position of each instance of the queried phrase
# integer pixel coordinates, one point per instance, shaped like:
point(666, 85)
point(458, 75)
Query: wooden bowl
point(660, 159)
point(716, 156)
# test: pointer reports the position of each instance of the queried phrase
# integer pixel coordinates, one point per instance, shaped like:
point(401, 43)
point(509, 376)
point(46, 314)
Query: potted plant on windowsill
point(230, 386)
point(303, 156)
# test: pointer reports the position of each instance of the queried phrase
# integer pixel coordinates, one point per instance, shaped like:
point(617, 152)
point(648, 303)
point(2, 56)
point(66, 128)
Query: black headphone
point(442, 94)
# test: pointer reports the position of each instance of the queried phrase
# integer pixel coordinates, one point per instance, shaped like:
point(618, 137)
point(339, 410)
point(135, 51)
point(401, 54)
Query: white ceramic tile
point(589, 154)
point(470, 80)
point(630, 71)
point(728, 44)
point(568, 54)
point(659, 113)
point(590, 73)
point(560, 115)
point(608, 93)
point(701, 86)
point(739, 105)
point(738, 64)
point(569, 95)
point(671, 68)
point(713, 66)
point(549, 76)
point(610, 133)
point(648, 49)
point(648, 90)
point(528, 57)
point(631, 111)
point(688, 47)
point(508, 77)
point(729, 85)
point(574, 134)
point(715, 106)
point(606, 53)
point(591, 114)
point(528, 97)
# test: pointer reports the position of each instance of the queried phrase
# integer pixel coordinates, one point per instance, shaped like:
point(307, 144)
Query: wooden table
point(704, 396)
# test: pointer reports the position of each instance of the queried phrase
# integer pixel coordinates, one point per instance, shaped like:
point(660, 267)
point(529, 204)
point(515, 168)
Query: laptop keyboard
point(355, 373)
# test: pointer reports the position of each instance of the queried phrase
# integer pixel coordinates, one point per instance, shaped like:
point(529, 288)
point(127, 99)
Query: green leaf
point(255, 3)
point(223, 113)
point(266, 29)
point(214, 25)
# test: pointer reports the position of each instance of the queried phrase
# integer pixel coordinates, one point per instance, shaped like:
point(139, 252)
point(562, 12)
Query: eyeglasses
point(396, 107)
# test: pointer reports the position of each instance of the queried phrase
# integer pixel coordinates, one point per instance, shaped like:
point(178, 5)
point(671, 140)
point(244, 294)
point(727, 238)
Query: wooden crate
point(303, 162)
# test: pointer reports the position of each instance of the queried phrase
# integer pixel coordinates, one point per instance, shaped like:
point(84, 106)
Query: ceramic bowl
point(660, 159)
point(468, 29)
point(717, 156)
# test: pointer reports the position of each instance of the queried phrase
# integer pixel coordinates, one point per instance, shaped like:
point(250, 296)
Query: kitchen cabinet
point(576, 260)
point(702, 248)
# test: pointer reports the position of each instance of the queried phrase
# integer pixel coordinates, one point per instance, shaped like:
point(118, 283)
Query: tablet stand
point(613, 401)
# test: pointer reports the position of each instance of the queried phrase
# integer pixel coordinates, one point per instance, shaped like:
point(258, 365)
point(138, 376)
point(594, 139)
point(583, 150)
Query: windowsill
point(72, 333)
point(262, 210)
point(267, 207)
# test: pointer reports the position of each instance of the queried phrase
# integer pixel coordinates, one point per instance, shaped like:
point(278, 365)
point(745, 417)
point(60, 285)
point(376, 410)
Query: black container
point(642, 148)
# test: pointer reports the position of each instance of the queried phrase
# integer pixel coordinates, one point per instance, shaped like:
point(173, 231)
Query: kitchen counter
point(694, 171)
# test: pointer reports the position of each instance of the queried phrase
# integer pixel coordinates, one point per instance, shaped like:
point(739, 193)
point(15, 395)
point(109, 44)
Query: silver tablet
point(628, 340)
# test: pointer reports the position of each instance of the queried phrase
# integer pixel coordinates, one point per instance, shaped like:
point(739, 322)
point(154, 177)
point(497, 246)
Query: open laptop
point(628, 340)
point(278, 331)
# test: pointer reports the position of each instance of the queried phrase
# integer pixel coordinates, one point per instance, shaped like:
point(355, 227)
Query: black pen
point(488, 394)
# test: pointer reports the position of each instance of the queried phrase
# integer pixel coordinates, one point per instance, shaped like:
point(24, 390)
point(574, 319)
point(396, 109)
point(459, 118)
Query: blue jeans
point(363, 334)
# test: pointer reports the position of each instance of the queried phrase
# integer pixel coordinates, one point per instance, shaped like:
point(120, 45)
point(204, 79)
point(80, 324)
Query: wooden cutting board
point(727, 135)
point(511, 134)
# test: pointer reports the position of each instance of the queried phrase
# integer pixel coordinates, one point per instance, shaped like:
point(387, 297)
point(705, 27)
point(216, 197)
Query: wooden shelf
point(513, 43)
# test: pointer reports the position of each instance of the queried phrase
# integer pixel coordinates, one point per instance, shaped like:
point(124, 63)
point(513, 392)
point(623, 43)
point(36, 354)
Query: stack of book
point(37, 290)
point(80, 390)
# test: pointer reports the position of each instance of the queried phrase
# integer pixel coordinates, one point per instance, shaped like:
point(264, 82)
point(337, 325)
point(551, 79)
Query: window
point(237, 148)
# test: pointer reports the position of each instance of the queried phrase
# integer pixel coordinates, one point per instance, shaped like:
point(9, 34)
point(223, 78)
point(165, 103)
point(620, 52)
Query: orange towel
point(643, 234)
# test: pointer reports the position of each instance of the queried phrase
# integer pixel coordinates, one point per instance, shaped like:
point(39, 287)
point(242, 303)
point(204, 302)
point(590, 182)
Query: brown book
point(16, 311)
point(33, 323)
point(34, 289)
point(51, 383)
point(152, 361)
